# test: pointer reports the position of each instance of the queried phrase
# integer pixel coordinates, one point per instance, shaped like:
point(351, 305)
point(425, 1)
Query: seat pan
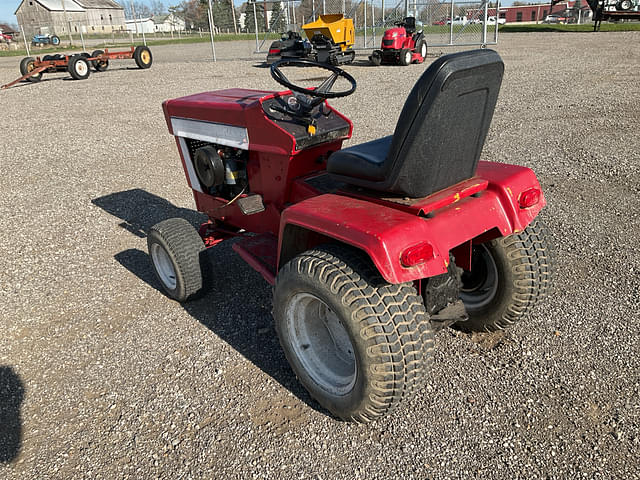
point(365, 161)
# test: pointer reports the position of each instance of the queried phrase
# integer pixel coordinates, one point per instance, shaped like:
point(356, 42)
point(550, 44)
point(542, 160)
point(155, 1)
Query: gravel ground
point(102, 376)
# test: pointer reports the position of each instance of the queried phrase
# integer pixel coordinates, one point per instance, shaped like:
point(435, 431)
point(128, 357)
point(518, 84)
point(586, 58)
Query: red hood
point(399, 31)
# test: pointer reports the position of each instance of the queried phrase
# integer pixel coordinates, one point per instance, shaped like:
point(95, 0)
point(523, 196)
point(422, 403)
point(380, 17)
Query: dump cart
point(333, 37)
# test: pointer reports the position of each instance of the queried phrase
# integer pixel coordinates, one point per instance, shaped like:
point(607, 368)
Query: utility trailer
point(79, 65)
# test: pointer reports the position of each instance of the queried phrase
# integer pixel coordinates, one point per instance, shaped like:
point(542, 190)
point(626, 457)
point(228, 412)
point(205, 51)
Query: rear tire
point(405, 57)
point(27, 65)
point(142, 56)
point(358, 344)
point(178, 257)
point(509, 276)
point(55, 40)
point(79, 67)
point(421, 48)
point(99, 65)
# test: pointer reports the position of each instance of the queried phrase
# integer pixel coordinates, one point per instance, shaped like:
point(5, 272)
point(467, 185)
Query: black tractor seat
point(440, 132)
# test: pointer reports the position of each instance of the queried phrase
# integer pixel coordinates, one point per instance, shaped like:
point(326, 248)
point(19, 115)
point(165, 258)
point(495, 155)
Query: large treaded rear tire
point(387, 327)
point(524, 266)
point(186, 268)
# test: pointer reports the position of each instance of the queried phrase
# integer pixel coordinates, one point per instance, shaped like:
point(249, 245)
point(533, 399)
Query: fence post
point(24, 37)
point(451, 24)
point(484, 24)
point(213, 47)
point(365, 23)
point(495, 33)
point(255, 21)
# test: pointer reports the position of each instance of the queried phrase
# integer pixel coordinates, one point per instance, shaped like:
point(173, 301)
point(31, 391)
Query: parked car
point(5, 37)
point(555, 19)
point(458, 21)
point(439, 22)
point(492, 21)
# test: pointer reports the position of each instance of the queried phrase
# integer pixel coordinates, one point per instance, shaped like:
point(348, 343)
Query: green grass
point(556, 27)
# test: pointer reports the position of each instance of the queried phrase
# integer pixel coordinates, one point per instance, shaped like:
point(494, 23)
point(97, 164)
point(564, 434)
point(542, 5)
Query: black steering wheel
point(323, 90)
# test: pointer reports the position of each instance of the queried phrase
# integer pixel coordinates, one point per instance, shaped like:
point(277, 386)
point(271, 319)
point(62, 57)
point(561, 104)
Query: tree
point(222, 16)
point(193, 12)
point(141, 9)
point(277, 18)
point(157, 7)
point(249, 22)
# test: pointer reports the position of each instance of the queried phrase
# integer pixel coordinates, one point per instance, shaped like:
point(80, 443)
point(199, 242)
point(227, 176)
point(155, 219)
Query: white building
point(168, 23)
point(142, 25)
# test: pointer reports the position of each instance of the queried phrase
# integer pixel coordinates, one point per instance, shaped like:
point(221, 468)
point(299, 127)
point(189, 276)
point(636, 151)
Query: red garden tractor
point(402, 45)
point(370, 248)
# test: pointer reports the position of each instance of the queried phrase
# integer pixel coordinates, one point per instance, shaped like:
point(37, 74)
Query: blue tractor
point(45, 40)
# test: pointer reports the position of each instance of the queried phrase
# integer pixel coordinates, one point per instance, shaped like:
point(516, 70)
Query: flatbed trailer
point(79, 65)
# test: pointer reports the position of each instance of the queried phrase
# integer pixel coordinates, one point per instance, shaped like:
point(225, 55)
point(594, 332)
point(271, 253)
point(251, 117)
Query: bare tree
point(157, 7)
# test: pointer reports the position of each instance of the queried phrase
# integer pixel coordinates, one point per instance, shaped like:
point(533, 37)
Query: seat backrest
point(443, 125)
point(409, 24)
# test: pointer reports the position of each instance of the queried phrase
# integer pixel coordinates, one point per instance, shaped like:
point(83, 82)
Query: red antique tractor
point(370, 248)
point(404, 44)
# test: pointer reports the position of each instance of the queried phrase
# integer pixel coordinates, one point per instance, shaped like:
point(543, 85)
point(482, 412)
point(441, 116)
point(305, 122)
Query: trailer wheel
point(99, 65)
point(358, 344)
point(508, 276)
point(55, 40)
point(28, 64)
point(405, 57)
point(142, 56)
point(178, 258)
point(78, 67)
point(421, 48)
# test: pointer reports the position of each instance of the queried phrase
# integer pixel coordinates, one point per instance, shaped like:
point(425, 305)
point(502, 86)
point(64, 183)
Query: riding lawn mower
point(369, 249)
point(404, 44)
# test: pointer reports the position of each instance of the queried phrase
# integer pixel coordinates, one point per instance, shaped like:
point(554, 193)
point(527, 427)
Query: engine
point(221, 170)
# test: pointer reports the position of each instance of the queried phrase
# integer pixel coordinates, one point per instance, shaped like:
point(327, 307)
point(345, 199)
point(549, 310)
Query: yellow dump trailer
point(333, 37)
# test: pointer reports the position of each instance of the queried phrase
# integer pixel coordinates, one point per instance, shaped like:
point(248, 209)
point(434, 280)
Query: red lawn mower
point(371, 248)
point(401, 45)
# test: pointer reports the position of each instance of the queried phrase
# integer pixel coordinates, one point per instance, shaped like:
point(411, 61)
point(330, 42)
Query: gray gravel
point(113, 380)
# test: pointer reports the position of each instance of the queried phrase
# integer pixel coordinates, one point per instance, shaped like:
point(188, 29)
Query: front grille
point(387, 43)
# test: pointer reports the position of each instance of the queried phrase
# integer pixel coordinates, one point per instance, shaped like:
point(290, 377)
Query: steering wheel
point(322, 91)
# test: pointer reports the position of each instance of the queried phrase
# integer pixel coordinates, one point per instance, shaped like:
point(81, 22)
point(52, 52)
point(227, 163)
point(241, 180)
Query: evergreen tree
point(277, 23)
point(249, 22)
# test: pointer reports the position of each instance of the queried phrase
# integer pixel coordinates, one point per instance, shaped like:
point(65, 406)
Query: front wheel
point(358, 344)
point(142, 56)
point(178, 258)
point(79, 67)
point(28, 64)
point(405, 57)
point(508, 276)
point(376, 58)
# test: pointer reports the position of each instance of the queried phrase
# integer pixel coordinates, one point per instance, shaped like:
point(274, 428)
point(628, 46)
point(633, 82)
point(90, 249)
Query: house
point(168, 23)
point(533, 13)
point(142, 25)
point(87, 16)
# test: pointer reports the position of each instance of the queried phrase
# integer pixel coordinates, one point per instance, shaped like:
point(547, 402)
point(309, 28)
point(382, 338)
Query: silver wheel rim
point(321, 344)
point(480, 287)
point(164, 266)
point(423, 50)
point(81, 68)
point(407, 57)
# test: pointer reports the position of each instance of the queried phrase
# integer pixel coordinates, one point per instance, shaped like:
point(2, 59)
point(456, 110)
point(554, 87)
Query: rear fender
point(384, 232)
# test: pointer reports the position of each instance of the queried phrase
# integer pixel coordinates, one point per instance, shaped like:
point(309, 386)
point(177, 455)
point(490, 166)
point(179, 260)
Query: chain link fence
point(450, 23)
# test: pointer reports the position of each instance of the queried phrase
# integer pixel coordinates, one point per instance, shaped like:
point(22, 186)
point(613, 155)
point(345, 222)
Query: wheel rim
point(145, 57)
point(31, 67)
point(423, 50)
point(164, 266)
point(321, 344)
point(81, 68)
point(480, 285)
point(407, 57)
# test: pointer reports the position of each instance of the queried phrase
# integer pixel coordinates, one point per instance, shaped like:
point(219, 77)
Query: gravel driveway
point(103, 377)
